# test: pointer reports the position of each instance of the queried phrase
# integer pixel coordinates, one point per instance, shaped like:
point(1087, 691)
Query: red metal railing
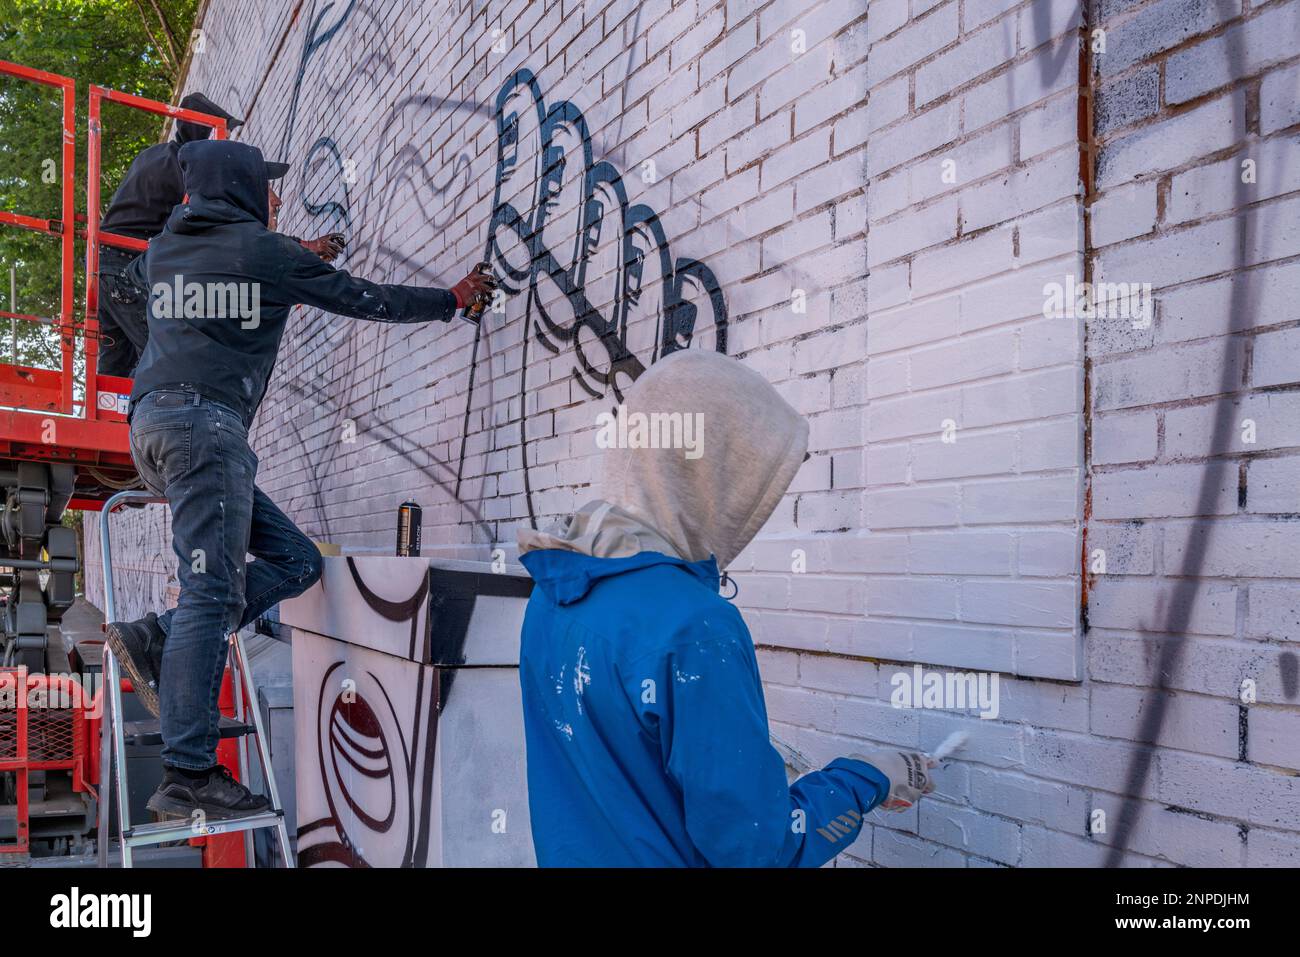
point(43, 727)
point(37, 392)
point(94, 235)
point(39, 418)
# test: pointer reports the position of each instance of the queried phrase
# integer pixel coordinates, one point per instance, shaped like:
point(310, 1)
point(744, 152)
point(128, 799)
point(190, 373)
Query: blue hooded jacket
point(646, 728)
point(647, 733)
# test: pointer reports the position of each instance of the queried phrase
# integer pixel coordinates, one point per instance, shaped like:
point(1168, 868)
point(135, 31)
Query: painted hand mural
point(597, 272)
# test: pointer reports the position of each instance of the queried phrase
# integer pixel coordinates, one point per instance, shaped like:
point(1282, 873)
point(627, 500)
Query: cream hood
point(744, 444)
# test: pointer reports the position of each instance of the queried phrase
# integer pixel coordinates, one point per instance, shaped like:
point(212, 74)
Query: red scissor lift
point(60, 446)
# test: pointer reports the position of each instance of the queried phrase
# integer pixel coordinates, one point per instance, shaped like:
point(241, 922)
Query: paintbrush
point(795, 759)
point(950, 744)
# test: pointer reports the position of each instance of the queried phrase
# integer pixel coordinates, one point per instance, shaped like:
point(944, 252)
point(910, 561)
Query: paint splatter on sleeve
point(740, 811)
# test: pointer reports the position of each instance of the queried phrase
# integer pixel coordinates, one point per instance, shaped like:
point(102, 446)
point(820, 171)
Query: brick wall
point(1193, 458)
point(867, 203)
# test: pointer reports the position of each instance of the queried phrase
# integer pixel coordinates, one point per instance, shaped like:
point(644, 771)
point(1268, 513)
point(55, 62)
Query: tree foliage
point(137, 46)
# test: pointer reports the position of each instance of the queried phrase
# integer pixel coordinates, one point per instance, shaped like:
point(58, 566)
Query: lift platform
point(63, 432)
point(63, 444)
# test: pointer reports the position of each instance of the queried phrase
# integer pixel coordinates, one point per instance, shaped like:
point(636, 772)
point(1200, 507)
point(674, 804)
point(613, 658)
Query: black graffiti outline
point(409, 609)
point(417, 840)
point(338, 213)
point(600, 184)
point(450, 597)
point(314, 40)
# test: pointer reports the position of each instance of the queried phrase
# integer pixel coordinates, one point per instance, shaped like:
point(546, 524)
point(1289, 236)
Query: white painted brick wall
point(1169, 494)
point(827, 171)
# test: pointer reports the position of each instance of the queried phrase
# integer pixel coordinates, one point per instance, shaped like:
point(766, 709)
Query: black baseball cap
point(187, 131)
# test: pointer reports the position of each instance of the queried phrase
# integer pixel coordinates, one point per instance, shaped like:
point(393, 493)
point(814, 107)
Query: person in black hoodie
point(221, 285)
point(139, 209)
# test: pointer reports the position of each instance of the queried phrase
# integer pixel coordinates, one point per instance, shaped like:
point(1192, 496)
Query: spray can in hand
point(410, 520)
point(474, 311)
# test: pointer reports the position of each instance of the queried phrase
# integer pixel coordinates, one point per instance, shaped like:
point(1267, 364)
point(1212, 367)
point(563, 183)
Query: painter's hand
point(474, 287)
point(327, 246)
point(908, 773)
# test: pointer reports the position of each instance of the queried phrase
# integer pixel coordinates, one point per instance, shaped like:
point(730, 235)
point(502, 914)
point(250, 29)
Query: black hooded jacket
point(153, 184)
point(218, 246)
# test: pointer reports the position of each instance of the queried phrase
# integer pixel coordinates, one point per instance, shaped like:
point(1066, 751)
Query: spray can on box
point(410, 521)
point(474, 311)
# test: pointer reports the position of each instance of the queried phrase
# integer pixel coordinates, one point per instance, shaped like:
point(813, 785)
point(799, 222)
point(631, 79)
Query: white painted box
point(409, 744)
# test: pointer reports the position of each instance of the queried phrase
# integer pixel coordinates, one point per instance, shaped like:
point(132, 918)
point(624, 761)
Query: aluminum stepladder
point(114, 732)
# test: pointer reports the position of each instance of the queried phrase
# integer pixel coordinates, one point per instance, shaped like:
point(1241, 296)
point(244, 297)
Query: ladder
point(115, 733)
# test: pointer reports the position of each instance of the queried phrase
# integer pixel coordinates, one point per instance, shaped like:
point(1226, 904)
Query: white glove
point(908, 773)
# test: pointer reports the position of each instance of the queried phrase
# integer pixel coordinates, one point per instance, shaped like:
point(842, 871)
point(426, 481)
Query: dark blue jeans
point(195, 452)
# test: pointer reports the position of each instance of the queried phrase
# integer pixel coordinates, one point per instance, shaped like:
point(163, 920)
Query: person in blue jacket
point(646, 731)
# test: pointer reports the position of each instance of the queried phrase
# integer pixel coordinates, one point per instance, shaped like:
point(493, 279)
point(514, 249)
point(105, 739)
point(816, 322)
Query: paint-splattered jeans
point(195, 452)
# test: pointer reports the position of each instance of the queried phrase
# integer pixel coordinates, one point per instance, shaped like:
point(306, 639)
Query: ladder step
point(148, 731)
point(116, 734)
point(160, 832)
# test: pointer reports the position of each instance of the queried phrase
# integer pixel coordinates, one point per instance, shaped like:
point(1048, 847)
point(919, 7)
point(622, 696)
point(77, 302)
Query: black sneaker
point(218, 795)
point(138, 646)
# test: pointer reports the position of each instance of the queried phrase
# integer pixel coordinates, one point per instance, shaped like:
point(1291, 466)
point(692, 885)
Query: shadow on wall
point(1177, 608)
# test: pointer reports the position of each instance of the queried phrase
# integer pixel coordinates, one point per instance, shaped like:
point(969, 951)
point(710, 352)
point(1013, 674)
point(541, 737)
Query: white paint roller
point(950, 744)
point(795, 759)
